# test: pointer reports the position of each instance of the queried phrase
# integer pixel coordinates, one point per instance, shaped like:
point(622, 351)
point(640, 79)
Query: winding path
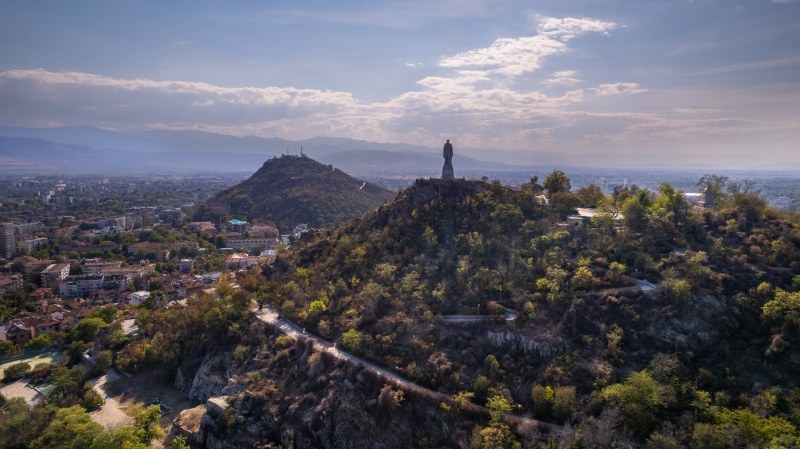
point(269, 316)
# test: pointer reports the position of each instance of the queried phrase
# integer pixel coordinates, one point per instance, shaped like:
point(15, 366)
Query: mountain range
point(95, 150)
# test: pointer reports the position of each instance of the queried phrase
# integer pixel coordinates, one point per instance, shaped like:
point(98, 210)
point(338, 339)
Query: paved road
point(269, 316)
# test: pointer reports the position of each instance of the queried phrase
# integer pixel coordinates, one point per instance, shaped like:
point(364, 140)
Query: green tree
point(71, 428)
point(565, 403)
point(16, 371)
point(353, 340)
point(492, 365)
point(715, 184)
point(640, 398)
point(86, 329)
point(590, 195)
point(6, 348)
point(785, 306)
point(556, 182)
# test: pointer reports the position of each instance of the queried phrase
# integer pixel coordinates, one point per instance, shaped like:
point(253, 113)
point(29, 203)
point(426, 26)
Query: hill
point(682, 303)
point(289, 190)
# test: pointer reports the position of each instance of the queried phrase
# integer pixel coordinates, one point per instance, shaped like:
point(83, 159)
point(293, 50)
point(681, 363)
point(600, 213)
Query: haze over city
point(709, 83)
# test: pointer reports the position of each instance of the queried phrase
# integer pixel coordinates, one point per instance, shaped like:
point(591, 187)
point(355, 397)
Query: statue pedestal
point(447, 171)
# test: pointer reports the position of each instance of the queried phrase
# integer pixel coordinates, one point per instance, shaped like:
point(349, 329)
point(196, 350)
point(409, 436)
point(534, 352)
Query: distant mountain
point(289, 190)
point(189, 150)
point(22, 155)
point(390, 162)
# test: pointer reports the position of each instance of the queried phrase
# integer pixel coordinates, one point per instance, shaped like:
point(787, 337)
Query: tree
point(71, 428)
point(556, 182)
point(564, 403)
point(352, 340)
point(634, 214)
point(86, 329)
point(146, 422)
point(640, 398)
point(590, 195)
point(715, 184)
point(492, 365)
point(16, 371)
point(785, 306)
point(6, 348)
point(179, 443)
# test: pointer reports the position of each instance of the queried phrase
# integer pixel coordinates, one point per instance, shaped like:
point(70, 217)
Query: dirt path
point(293, 330)
point(122, 392)
point(112, 414)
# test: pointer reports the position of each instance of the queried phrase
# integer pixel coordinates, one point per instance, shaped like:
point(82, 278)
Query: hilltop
point(576, 337)
point(288, 190)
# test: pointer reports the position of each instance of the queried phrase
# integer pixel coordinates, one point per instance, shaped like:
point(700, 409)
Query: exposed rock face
point(210, 378)
point(539, 347)
point(199, 425)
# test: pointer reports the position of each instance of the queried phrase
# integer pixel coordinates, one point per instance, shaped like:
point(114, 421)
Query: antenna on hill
point(301, 151)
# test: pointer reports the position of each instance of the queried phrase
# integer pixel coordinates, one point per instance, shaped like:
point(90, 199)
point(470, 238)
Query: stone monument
point(447, 152)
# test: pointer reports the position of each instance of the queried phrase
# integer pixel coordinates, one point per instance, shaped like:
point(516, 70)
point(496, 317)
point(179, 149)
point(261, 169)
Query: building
point(8, 240)
point(98, 267)
point(54, 274)
point(139, 297)
point(241, 260)
point(300, 230)
point(81, 286)
point(251, 243)
point(186, 265)
point(238, 226)
point(9, 283)
point(171, 216)
point(202, 226)
point(32, 245)
point(263, 231)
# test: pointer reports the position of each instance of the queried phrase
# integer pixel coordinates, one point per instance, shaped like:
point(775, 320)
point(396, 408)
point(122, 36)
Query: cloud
point(474, 95)
point(754, 65)
point(695, 111)
point(562, 78)
point(519, 55)
point(413, 64)
point(618, 89)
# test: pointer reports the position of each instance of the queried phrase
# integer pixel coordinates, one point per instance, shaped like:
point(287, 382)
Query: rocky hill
point(589, 334)
point(677, 327)
point(289, 190)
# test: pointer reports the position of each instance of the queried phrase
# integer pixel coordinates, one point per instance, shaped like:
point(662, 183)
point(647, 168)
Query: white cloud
point(618, 89)
point(568, 28)
point(234, 95)
point(562, 78)
point(687, 111)
point(519, 55)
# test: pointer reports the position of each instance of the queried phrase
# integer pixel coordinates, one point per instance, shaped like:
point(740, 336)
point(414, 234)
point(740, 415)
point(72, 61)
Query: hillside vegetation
point(709, 358)
point(289, 190)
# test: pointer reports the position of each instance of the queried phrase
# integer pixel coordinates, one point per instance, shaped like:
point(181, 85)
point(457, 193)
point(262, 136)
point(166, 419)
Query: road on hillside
point(269, 316)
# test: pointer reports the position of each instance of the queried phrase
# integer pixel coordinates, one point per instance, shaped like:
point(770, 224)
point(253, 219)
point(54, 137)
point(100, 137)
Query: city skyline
point(646, 81)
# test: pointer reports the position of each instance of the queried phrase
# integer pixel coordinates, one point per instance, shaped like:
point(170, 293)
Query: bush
point(352, 340)
point(564, 403)
point(16, 371)
point(678, 291)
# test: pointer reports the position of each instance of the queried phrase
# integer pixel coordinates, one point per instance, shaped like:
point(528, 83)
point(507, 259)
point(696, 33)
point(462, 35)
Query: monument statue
point(447, 152)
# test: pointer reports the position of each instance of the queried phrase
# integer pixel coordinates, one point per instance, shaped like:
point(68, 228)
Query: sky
point(697, 81)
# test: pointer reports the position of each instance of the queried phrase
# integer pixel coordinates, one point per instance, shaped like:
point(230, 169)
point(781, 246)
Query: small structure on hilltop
point(708, 200)
point(447, 170)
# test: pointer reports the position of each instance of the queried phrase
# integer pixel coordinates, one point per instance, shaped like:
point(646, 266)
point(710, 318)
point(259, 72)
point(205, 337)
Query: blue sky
point(647, 80)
